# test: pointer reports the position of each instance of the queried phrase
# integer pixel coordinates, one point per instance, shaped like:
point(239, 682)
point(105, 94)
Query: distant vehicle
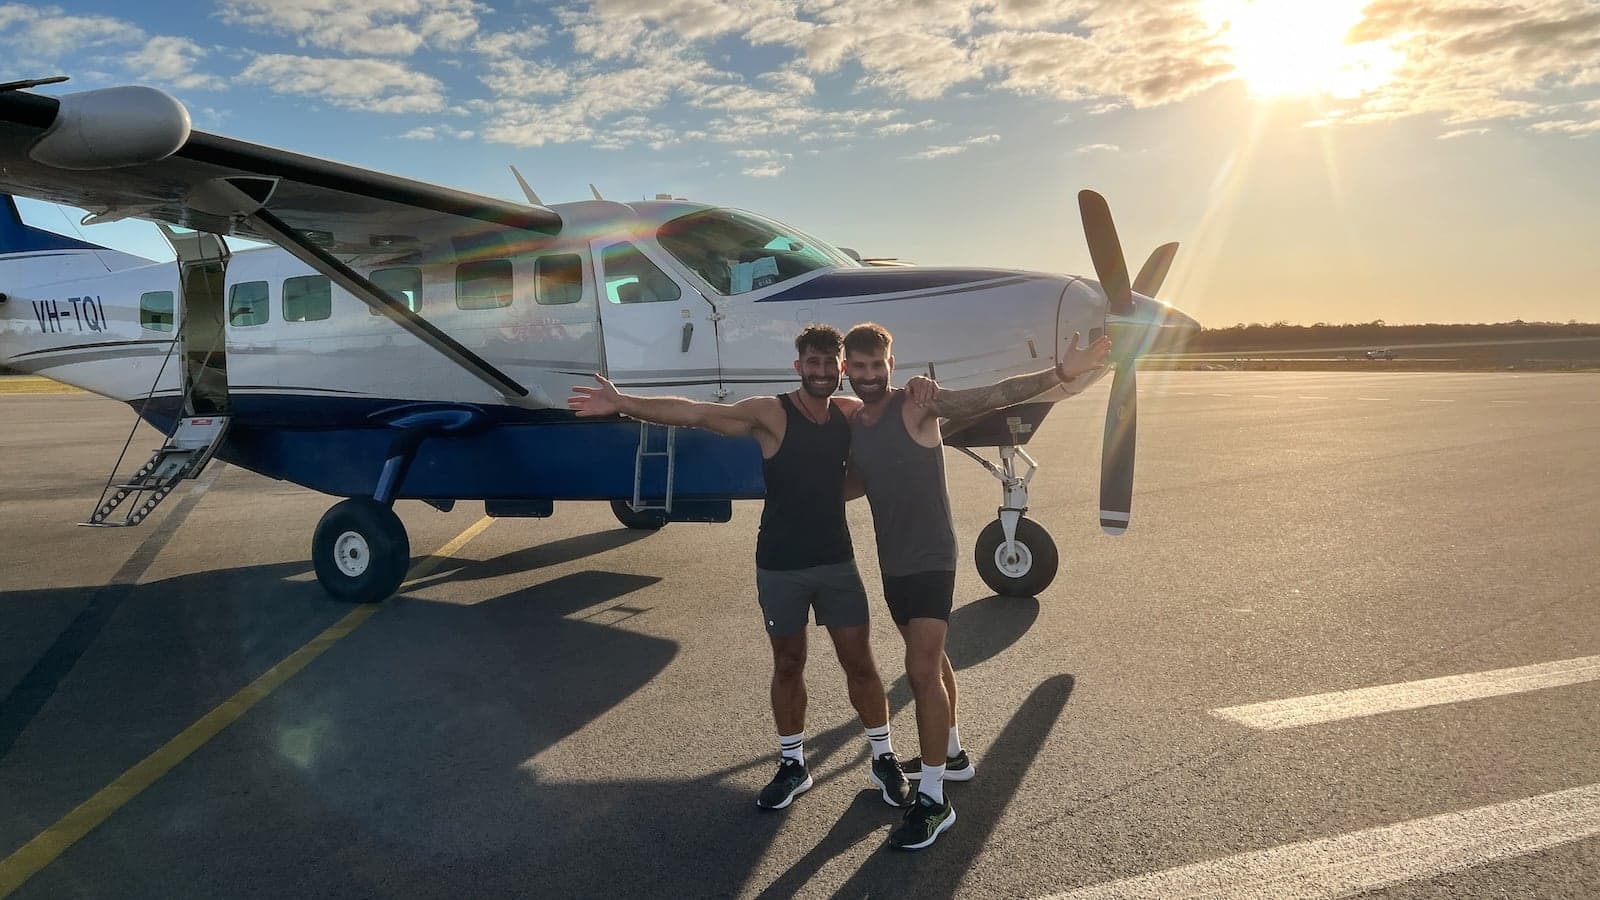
point(1380, 354)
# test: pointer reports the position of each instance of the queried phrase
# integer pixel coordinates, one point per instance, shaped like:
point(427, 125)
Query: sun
point(1298, 48)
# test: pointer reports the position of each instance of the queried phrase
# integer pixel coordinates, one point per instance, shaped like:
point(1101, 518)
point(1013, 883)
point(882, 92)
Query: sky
point(1318, 160)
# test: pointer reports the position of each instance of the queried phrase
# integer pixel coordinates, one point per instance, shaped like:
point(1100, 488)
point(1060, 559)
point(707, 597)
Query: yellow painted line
point(33, 384)
point(53, 841)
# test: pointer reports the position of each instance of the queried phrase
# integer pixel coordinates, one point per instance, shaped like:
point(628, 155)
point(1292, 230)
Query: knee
point(924, 676)
point(860, 670)
point(787, 668)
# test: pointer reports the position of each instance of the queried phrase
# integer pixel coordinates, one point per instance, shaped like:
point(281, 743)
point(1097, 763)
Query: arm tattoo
point(958, 405)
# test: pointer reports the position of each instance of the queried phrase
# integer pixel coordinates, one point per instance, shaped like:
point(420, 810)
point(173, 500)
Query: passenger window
point(307, 298)
point(155, 310)
point(403, 284)
point(483, 285)
point(632, 278)
point(247, 304)
point(558, 279)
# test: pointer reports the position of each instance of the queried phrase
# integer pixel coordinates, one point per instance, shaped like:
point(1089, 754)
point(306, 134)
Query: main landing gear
point(1015, 556)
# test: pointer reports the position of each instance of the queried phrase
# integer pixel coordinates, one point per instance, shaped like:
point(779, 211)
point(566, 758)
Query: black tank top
point(802, 523)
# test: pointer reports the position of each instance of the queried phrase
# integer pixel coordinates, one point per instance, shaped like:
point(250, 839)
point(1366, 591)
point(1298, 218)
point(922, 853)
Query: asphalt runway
point(559, 707)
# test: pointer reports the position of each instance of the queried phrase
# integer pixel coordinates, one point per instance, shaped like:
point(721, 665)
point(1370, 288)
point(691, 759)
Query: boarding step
point(644, 452)
point(183, 456)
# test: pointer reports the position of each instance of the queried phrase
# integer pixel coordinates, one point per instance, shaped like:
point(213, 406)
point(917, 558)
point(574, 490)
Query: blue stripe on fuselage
point(869, 282)
point(334, 445)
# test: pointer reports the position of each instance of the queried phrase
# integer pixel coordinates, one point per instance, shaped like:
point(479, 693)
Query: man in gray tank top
point(897, 455)
point(805, 564)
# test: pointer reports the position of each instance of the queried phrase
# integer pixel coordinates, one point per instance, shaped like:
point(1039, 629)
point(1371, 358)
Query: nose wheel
point(1015, 556)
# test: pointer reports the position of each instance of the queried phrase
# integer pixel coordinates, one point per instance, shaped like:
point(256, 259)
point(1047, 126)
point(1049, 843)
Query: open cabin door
point(202, 335)
point(660, 333)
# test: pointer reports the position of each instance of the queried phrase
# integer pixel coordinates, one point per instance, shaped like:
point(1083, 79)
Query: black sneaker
point(791, 781)
point(887, 777)
point(923, 824)
point(956, 768)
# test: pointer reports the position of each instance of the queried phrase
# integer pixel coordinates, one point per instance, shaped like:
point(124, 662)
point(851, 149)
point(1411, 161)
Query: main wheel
point(360, 551)
point(648, 520)
point(1026, 571)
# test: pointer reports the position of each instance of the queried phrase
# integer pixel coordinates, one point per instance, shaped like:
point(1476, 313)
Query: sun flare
point(1298, 48)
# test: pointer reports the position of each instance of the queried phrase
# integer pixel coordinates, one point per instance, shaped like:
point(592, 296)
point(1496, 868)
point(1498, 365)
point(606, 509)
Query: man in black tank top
point(804, 560)
point(898, 456)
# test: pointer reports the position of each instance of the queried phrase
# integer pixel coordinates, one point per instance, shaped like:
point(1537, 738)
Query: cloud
point(1461, 133)
point(371, 85)
point(434, 132)
point(767, 170)
point(982, 139)
point(46, 35)
point(171, 60)
point(895, 128)
point(1098, 148)
point(938, 152)
point(371, 27)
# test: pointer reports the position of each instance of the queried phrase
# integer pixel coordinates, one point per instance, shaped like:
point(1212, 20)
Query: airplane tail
point(30, 256)
point(33, 258)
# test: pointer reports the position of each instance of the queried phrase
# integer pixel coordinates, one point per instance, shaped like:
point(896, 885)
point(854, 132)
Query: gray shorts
point(834, 590)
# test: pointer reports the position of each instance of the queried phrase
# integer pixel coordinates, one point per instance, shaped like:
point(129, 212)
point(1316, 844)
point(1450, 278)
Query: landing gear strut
point(1014, 555)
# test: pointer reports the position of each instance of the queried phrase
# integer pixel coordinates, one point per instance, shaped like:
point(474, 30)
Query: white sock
point(879, 738)
point(932, 783)
point(793, 746)
point(955, 741)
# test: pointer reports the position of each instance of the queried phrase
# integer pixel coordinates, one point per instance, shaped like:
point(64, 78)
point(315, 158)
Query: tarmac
point(1350, 644)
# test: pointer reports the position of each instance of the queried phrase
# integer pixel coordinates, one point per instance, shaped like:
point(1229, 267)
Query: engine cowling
point(112, 127)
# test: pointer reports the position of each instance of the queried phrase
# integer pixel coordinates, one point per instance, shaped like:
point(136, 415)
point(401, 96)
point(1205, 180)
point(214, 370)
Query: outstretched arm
point(732, 419)
point(965, 404)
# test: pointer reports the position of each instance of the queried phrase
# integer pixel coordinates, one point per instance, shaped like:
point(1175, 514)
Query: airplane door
point(202, 265)
point(660, 333)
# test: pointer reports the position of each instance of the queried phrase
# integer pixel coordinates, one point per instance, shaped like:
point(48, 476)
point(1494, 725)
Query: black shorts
point(924, 595)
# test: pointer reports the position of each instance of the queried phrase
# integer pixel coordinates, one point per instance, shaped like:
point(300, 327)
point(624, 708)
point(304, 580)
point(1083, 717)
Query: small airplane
point(404, 340)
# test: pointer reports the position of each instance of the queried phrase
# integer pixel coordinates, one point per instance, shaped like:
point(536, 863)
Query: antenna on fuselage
point(526, 191)
point(595, 191)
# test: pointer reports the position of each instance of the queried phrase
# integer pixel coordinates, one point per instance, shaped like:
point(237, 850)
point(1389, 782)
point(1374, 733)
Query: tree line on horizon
point(1377, 333)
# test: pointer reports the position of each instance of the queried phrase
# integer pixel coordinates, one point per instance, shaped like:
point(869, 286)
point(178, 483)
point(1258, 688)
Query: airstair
point(183, 456)
point(646, 451)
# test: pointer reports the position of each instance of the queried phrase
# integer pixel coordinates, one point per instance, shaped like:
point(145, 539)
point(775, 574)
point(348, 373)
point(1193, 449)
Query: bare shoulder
point(763, 411)
point(848, 405)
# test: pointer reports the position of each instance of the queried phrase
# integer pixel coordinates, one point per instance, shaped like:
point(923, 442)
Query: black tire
point(1037, 570)
point(377, 551)
point(649, 520)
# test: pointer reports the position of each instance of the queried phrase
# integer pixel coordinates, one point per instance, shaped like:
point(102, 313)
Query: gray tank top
point(905, 485)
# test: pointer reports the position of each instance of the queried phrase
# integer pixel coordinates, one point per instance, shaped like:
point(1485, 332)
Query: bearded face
point(819, 373)
point(869, 375)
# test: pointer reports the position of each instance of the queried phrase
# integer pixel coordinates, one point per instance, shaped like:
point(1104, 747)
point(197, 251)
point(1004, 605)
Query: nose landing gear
point(1015, 556)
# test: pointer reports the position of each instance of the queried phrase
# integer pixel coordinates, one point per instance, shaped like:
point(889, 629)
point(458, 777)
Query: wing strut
point(369, 293)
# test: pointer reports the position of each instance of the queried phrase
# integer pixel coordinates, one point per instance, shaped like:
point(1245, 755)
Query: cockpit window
point(736, 252)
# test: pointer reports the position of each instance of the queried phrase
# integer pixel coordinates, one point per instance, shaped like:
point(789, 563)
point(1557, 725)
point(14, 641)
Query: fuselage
point(664, 297)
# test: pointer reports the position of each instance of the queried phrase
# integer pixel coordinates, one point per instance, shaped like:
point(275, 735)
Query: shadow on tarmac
point(407, 760)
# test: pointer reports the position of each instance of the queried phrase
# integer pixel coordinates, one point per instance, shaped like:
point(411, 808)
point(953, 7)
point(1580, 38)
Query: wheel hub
point(1015, 563)
point(352, 554)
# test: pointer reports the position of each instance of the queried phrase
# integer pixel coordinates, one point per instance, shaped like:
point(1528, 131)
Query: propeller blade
point(1106, 251)
point(31, 83)
point(1155, 270)
point(526, 190)
point(1116, 457)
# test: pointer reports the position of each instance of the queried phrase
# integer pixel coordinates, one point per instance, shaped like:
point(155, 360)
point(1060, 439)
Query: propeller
point(30, 83)
point(1122, 411)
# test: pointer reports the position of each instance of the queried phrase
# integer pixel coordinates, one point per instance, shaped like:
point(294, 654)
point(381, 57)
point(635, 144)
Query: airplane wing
point(121, 152)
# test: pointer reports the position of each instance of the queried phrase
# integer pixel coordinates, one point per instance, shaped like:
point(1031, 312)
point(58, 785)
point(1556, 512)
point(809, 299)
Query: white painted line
point(1509, 401)
point(1435, 401)
point(1264, 396)
point(1222, 395)
point(1318, 708)
point(1375, 857)
point(1314, 398)
point(1384, 399)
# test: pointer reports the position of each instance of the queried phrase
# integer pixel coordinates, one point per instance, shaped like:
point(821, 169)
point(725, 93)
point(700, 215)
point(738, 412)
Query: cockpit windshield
point(736, 252)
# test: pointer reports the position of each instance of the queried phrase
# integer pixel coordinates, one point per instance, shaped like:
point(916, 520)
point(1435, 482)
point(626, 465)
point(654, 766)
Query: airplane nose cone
point(1151, 326)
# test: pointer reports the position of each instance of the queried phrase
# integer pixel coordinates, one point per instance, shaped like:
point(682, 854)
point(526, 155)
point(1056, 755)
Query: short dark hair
point(821, 338)
point(868, 337)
